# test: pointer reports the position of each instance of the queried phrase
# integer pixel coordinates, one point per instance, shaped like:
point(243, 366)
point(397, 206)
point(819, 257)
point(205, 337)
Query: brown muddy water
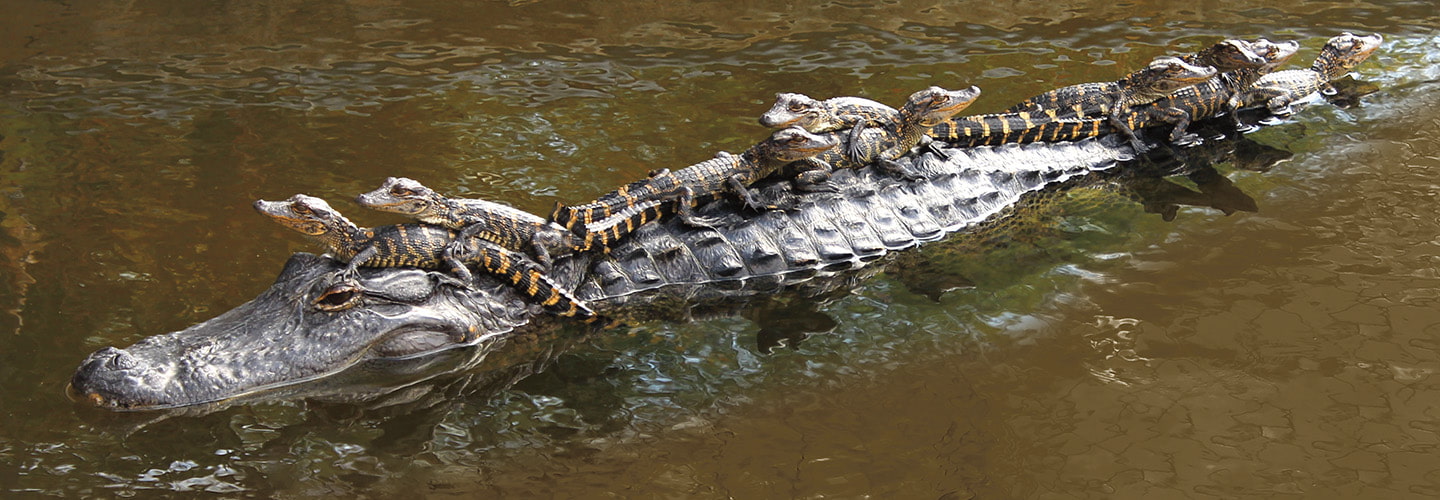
point(1289, 348)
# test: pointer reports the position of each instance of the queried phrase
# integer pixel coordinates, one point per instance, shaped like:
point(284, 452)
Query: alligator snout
point(105, 374)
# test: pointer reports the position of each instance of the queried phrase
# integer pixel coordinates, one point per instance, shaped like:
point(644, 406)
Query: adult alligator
point(279, 339)
point(278, 343)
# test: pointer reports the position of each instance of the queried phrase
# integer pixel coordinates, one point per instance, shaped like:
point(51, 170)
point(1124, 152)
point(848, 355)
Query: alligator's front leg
point(856, 146)
point(352, 268)
point(1181, 119)
point(1281, 105)
point(452, 257)
point(934, 146)
point(1232, 106)
point(896, 169)
point(813, 175)
point(738, 187)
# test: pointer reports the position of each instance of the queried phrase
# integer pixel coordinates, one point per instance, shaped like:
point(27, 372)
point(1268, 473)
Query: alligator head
point(933, 105)
point(1275, 54)
point(1344, 52)
point(1230, 55)
point(1167, 74)
point(405, 196)
point(303, 328)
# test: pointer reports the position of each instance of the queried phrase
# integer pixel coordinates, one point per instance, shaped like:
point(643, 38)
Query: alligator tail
point(606, 232)
point(529, 279)
point(1019, 127)
point(563, 215)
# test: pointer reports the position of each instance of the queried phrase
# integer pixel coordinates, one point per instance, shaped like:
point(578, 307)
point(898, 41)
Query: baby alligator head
point(1167, 74)
point(927, 108)
point(1344, 52)
point(1275, 54)
point(1230, 55)
point(794, 110)
point(403, 196)
point(795, 144)
point(312, 217)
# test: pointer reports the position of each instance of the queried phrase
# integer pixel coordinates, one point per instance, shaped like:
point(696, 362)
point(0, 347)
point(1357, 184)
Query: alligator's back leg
point(1129, 132)
point(685, 209)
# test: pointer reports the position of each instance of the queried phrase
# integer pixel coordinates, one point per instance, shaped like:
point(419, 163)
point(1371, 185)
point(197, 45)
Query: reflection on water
point(1260, 326)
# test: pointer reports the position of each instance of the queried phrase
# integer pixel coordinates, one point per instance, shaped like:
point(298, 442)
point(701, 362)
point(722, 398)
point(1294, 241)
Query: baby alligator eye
point(402, 192)
point(300, 208)
point(337, 298)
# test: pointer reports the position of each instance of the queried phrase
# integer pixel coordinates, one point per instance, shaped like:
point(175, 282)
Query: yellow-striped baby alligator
point(880, 142)
point(1164, 75)
point(503, 225)
point(726, 173)
point(1158, 79)
point(414, 245)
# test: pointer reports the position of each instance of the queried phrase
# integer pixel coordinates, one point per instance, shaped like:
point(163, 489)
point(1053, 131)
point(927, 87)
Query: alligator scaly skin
point(871, 216)
point(1280, 89)
point(503, 225)
point(1022, 127)
point(680, 191)
point(417, 245)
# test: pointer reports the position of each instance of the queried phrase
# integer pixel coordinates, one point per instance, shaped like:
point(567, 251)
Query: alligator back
point(1085, 99)
point(872, 215)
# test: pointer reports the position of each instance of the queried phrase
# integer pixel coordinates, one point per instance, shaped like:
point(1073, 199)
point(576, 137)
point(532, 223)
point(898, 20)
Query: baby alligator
point(725, 172)
point(800, 110)
point(1281, 89)
point(1050, 125)
point(506, 226)
point(833, 114)
point(883, 142)
point(416, 245)
point(1203, 100)
point(1158, 79)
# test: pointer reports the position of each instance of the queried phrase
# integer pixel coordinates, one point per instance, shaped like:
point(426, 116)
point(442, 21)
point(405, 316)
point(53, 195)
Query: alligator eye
point(402, 192)
point(337, 298)
point(300, 208)
point(796, 108)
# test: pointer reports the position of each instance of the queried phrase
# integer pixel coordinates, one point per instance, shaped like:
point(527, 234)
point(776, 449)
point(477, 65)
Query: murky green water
point(1287, 351)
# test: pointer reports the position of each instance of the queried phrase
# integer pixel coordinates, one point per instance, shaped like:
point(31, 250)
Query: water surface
point(1103, 352)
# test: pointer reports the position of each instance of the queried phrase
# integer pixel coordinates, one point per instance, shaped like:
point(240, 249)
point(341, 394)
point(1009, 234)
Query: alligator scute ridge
point(847, 230)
